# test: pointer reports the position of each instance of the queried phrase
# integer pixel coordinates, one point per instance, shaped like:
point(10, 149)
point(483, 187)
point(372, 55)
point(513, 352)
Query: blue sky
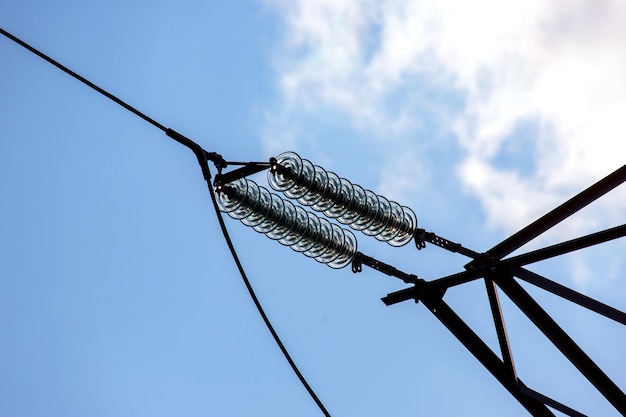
point(118, 296)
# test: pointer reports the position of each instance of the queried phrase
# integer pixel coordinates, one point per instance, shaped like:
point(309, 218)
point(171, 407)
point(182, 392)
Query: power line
point(260, 308)
point(203, 158)
point(82, 79)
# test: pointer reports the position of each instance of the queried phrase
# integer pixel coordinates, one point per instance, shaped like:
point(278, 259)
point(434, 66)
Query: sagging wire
point(203, 157)
point(257, 303)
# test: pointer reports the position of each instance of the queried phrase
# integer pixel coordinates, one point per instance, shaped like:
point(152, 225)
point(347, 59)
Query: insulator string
point(338, 198)
point(289, 224)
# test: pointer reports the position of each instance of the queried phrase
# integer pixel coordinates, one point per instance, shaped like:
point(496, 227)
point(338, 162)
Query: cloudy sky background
point(118, 297)
point(531, 95)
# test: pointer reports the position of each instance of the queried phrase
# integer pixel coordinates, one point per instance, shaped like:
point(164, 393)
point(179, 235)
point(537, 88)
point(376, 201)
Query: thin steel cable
point(202, 156)
point(280, 344)
point(82, 79)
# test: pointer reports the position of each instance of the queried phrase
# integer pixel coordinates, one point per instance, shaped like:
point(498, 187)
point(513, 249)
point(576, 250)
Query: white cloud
point(559, 66)
point(405, 177)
